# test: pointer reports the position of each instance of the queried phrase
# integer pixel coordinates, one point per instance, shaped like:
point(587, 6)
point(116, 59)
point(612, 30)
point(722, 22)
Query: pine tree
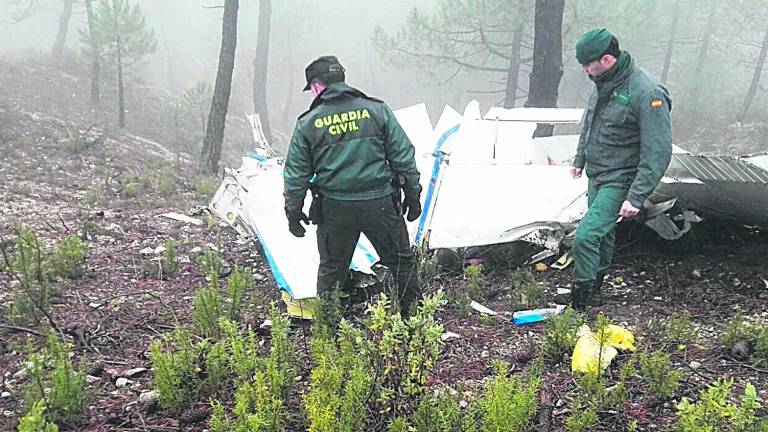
point(120, 32)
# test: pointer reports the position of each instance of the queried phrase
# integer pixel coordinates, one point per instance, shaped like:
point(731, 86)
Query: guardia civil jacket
point(626, 138)
point(352, 146)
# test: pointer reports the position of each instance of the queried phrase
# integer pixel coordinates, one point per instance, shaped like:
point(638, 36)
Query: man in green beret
point(625, 148)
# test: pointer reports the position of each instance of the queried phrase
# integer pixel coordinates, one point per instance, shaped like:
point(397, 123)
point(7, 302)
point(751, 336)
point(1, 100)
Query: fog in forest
point(710, 54)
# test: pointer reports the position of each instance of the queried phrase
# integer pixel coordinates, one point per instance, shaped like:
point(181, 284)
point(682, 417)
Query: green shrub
point(379, 368)
point(93, 196)
point(581, 420)
point(34, 420)
point(52, 369)
point(475, 282)
point(716, 412)
point(242, 351)
point(281, 363)
point(205, 186)
point(679, 329)
point(207, 310)
point(67, 258)
point(559, 337)
point(130, 190)
point(526, 292)
point(164, 183)
point(754, 335)
point(211, 264)
point(661, 381)
point(429, 268)
point(176, 371)
point(170, 262)
point(257, 408)
point(508, 403)
point(238, 282)
point(440, 413)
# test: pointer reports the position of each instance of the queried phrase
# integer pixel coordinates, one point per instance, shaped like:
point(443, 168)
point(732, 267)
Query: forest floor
point(60, 181)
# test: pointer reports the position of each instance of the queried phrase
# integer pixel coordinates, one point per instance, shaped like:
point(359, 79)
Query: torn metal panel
point(718, 187)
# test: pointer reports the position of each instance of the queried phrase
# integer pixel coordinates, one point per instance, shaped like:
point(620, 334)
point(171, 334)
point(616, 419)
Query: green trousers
point(380, 221)
point(593, 246)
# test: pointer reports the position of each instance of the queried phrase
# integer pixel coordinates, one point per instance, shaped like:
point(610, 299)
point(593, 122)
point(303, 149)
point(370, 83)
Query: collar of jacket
point(615, 77)
point(334, 92)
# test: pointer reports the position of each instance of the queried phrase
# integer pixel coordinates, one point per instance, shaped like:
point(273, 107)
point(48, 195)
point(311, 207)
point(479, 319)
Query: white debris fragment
point(482, 309)
point(147, 397)
point(134, 372)
point(182, 218)
point(450, 335)
point(122, 382)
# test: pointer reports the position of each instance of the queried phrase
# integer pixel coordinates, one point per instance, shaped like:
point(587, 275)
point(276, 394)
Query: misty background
point(711, 49)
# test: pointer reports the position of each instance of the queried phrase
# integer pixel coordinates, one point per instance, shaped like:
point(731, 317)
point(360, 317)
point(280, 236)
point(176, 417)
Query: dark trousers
point(338, 233)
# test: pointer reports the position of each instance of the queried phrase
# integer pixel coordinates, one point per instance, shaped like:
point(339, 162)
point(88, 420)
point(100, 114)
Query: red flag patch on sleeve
point(657, 103)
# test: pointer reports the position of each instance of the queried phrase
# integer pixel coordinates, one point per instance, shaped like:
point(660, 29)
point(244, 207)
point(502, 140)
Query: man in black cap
point(625, 147)
point(350, 149)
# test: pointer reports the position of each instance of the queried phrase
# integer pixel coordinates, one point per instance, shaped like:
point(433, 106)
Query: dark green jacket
point(626, 138)
point(352, 145)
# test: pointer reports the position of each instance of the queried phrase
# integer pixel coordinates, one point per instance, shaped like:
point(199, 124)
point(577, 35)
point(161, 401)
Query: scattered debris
point(135, 372)
point(122, 382)
point(182, 218)
point(450, 335)
point(482, 309)
point(588, 350)
point(536, 315)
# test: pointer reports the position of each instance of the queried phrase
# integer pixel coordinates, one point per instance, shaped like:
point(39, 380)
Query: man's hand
point(411, 207)
point(628, 210)
point(295, 218)
point(576, 172)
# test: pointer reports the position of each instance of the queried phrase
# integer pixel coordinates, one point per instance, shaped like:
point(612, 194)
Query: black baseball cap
point(323, 66)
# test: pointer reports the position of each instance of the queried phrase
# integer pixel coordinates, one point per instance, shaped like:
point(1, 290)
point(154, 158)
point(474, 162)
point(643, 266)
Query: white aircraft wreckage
point(486, 181)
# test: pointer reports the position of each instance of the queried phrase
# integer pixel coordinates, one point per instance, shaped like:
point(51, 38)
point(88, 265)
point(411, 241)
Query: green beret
point(593, 45)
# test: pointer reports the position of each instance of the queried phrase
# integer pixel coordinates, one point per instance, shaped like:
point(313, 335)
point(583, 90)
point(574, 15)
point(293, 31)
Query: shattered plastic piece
point(450, 335)
point(482, 309)
point(541, 267)
point(562, 262)
point(266, 325)
point(587, 352)
point(182, 218)
point(147, 251)
point(535, 315)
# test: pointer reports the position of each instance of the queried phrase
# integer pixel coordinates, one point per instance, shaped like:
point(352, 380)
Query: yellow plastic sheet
point(587, 353)
point(303, 309)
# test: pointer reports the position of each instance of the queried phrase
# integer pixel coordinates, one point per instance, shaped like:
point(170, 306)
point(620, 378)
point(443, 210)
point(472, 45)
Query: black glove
point(411, 207)
point(294, 222)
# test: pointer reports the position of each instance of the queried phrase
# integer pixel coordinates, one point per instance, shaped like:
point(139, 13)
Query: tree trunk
point(704, 49)
point(755, 78)
point(547, 59)
point(670, 44)
point(260, 65)
point(214, 133)
point(61, 37)
point(120, 85)
point(513, 73)
point(95, 62)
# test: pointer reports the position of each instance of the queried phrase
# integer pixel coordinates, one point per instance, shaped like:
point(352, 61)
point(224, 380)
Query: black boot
point(581, 293)
point(593, 296)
